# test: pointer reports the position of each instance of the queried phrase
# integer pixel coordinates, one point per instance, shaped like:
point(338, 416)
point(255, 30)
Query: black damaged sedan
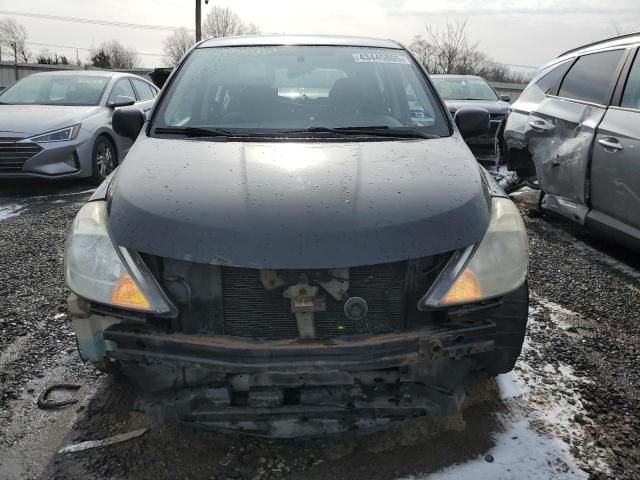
point(299, 242)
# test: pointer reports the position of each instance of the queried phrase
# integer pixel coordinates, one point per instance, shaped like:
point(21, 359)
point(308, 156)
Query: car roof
point(619, 41)
point(456, 77)
point(315, 40)
point(87, 73)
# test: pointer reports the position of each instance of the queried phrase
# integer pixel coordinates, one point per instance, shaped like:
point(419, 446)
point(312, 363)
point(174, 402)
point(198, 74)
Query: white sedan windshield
point(56, 90)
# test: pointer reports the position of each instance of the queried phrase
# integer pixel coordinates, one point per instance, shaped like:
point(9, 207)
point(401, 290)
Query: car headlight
point(495, 267)
point(98, 270)
point(62, 135)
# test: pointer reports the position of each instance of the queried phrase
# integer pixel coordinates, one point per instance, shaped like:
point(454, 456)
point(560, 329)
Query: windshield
point(464, 89)
point(295, 88)
point(56, 90)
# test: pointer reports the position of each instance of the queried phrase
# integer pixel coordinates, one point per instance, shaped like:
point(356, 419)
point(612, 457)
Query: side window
point(145, 92)
point(122, 87)
point(592, 77)
point(552, 77)
point(631, 97)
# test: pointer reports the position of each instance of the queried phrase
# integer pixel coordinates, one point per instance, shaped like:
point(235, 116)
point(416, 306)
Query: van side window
point(550, 79)
point(631, 97)
point(592, 78)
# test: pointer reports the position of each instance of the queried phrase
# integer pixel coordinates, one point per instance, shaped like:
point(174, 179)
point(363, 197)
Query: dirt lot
point(570, 410)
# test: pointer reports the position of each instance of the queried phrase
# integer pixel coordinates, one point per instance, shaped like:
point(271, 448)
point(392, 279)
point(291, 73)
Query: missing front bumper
point(310, 411)
point(305, 387)
point(301, 387)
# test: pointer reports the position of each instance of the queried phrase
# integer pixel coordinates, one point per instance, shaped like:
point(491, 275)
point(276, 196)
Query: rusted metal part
point(317, 411)
point(358, 353)
point(47, 404)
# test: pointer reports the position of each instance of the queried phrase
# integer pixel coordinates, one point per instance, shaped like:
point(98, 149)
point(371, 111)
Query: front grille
point(14, 154)
point(252, 311)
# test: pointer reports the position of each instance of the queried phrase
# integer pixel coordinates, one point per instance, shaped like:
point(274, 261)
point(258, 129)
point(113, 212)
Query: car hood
point(298, 204)
point(493, 106)
point(34, 119)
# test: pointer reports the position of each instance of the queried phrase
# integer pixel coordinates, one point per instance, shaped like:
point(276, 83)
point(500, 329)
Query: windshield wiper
point(194, 132)
point(378, 131)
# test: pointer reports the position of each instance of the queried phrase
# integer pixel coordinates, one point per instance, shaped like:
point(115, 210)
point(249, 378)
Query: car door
point(517, 129)
point(145, 94)
point(615, 170)
point(561, 130)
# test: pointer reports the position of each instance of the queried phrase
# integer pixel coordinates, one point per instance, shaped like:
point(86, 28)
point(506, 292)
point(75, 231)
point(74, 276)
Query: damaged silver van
point(576, 131)
point(299, 242)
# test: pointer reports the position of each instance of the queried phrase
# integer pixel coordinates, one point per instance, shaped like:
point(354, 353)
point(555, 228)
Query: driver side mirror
point(121, 101)
point(505, 98)
point(472, 121)
point(128, 122)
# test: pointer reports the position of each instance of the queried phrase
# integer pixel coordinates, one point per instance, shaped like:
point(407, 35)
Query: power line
point(107, 23)
point(88, 49)
point(110, 23)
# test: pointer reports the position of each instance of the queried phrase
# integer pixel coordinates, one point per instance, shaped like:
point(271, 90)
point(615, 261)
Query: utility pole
point(199, 19)
point(15, 59)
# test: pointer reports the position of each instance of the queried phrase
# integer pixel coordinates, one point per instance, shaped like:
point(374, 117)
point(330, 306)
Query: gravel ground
point(573, 401)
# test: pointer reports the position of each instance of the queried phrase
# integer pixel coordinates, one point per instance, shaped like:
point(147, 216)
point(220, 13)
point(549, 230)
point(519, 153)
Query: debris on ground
point(46, 403)
point(123, 437)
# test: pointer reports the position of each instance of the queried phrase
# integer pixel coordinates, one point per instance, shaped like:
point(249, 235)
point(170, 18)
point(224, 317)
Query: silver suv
point(576, 127)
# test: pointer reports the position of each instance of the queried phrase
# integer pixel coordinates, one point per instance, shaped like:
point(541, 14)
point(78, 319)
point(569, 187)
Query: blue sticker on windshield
point(380, 58)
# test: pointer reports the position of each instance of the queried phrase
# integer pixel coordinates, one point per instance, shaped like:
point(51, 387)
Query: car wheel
point(105, 159)
point(511, 326)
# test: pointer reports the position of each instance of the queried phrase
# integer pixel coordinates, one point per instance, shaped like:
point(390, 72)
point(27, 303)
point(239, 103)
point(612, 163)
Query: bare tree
point(224, 22)
point(176, 45)
point(113, 54)
point(423, 51)
point(13, 35)
point(448, 50)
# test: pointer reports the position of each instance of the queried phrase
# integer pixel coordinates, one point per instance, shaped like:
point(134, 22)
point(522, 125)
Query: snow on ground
point(511, 386)
point(559, 315)
point(67, 194)
point(519, 453)
point(539, 429)
point(11, 210)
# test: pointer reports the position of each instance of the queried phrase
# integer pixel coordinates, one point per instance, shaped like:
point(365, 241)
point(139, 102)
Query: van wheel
point(105, 159)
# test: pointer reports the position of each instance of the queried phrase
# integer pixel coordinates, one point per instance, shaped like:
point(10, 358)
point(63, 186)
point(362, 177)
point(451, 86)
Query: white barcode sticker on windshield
point(380, 58)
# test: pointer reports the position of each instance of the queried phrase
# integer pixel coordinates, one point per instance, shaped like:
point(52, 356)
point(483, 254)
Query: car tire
point(511, 326)
point(105, 159)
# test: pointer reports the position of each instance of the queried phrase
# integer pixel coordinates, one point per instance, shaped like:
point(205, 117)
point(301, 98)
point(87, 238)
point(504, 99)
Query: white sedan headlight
point(496, 267)
point(62, 135)
point(99, 271)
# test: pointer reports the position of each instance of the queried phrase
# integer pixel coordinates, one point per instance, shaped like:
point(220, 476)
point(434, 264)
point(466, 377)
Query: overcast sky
point(527, 32)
